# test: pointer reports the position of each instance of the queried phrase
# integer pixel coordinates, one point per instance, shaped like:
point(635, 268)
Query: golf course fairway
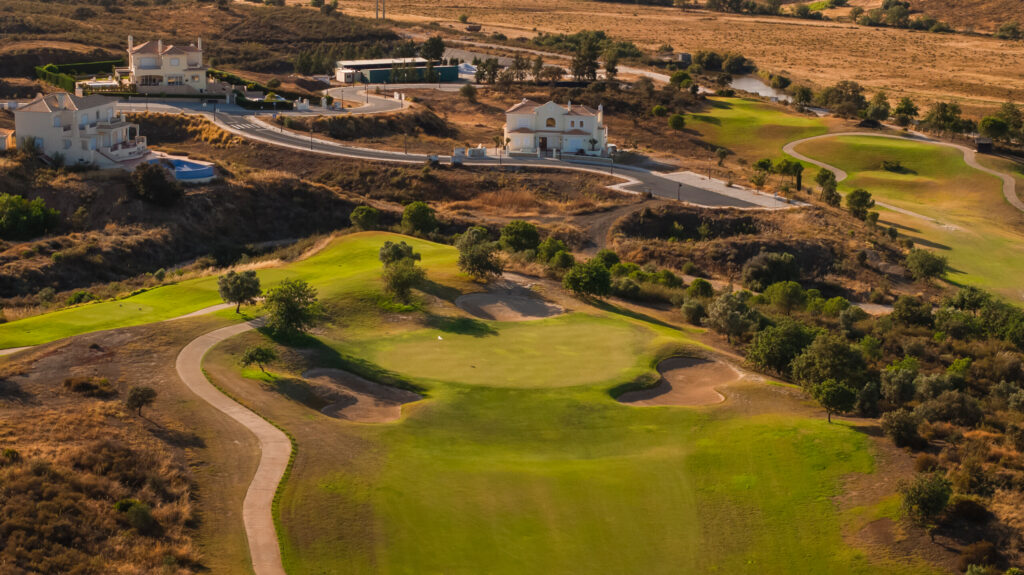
point(519, 460)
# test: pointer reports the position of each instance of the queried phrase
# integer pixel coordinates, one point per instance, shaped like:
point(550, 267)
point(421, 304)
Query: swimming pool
point(188, 171)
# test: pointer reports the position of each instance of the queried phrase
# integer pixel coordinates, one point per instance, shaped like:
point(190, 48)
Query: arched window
point(550, 123)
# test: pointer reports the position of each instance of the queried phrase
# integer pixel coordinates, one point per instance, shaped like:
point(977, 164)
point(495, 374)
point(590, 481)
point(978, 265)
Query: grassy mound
point(752, 129)
point(974, 227)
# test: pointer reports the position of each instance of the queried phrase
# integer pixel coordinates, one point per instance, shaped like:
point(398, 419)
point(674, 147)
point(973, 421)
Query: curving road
point(275, 450)
point(970, 158)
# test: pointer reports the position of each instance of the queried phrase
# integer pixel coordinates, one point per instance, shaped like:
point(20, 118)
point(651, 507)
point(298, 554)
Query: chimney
point(131, 42)
point(199, 43)
point(60, 100)
point(570, 105)
point(160, 46)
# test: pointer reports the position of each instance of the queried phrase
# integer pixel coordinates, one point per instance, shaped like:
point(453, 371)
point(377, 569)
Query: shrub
point(967, 508)
point(468, 92)
point(730, 316)
point(924, 265)
point(590, 278)
point(549, 247)
point(925, 463)
point(80, 297)
point(391, 252)
point(693, 312)
point(91, 386)
point(953, 407)
point(477, 255)
point(858, 202)
point(925, 497)
point(898, 381)
point(562, 260)
point(418, 218)
point(775, 347)
point(519, 236)
point(767, 268)
point(829, 357)
point(401, 276)
point(677, 121)
point(901, 427)
point(659, 111)
point(833, 307)
point(22, 219)
point(700, 288)
point(786, 296)
point(365, 217)
point(909, 310)
point(151, 184)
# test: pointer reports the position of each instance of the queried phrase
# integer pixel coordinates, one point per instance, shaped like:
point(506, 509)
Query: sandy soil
point(363, 401)
point(685, 381)
point(508, 299)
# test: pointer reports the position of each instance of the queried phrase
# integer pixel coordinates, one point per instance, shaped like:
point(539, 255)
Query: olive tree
point(140, 396)
point(292, 307)
point(258, 355)
point(239, 288)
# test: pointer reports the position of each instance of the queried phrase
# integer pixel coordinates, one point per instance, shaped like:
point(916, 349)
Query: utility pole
point(311, 128)
point(679, 189)
point(376, 10)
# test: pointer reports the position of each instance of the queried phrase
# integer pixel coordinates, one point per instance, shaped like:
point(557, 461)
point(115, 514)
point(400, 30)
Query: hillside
point(979, 15)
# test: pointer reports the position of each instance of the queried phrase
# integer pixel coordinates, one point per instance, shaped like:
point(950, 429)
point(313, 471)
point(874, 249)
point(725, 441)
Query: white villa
point(532, 128)
point(157, 68)
point(81, 130)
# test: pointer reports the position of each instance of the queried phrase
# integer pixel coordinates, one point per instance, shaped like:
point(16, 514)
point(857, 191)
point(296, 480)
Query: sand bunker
point(685, 381)
point(360, 399)
point(507, 300)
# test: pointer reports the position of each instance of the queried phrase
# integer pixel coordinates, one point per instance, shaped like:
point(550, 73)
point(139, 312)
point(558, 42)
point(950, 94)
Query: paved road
point(970, 157)
point(275, 450)
point(244, 123)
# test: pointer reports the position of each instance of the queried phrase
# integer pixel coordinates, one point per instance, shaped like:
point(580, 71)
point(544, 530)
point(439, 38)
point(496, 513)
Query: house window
point(56, 121)
point(175, 81)
point(550, 123)
point(175, 61)
point(67, 144)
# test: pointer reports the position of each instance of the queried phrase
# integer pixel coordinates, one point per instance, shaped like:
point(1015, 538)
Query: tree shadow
point(174, 437)
point(297, 390)
point(901, 227)
point(931, 244)
point(441, 291)
point(612, 308)
point(12, 391)
point(323, 355)
point(460, 325)
point(706, 119)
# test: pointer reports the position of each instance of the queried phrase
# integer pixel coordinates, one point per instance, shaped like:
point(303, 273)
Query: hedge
point(121, 94)
point(260, 104)
point(236, 80)
point(80, 68)
point(56, 78)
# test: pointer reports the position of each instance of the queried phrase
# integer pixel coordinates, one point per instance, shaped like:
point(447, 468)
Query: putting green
point(977, 230)
point(574, 349)
point(753, 129)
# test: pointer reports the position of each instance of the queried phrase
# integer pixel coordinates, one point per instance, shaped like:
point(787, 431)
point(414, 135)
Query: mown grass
point(519, 460)
point(752, 129)
point(333, 270)
point(977, 229)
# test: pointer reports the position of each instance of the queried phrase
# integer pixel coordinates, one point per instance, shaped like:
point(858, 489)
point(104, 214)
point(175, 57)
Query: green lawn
point(520, 461)
point(981, 234)
point(753, 129)
point(335, 269)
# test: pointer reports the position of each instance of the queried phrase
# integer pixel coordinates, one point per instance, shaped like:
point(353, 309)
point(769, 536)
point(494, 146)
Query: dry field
point(928, 66)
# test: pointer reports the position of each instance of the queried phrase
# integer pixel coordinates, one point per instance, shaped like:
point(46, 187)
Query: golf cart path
point(196, 313)
point(970, 158)
point(275, 449)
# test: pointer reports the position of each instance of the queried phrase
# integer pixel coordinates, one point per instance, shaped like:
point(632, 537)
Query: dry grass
point(981, 70)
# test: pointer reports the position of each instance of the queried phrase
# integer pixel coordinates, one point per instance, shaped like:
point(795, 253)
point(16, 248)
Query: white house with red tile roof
point(80, 130)
point(531, 127)
point(155, 67)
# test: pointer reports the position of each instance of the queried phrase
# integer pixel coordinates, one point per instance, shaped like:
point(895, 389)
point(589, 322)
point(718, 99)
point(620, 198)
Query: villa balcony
point(127, 150)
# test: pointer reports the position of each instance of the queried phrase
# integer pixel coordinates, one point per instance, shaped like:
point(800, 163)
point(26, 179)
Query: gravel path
point(275, 450)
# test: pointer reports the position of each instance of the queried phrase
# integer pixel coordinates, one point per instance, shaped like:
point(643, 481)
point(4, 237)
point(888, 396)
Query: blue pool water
point(187, 171)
